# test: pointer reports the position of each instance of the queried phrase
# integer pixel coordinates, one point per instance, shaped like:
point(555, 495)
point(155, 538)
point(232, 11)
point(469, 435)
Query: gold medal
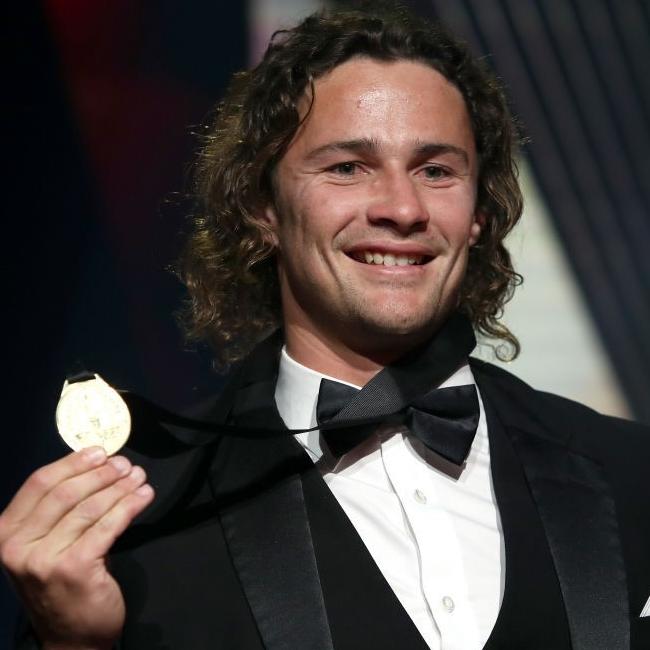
point(92, 413)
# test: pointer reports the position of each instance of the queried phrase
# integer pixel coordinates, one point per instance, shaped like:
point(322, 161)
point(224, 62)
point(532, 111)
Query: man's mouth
point(389, 259)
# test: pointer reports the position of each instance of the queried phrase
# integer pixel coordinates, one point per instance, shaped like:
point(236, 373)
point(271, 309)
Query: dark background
point(101, 99)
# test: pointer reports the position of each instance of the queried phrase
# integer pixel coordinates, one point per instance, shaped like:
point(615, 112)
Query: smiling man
point(373, 215)
point(382, 489)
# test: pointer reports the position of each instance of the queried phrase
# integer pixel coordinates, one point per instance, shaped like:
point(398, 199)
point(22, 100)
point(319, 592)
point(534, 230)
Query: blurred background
point(103, 98)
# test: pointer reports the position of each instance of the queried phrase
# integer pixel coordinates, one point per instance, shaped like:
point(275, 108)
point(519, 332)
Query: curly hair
point(228, 263)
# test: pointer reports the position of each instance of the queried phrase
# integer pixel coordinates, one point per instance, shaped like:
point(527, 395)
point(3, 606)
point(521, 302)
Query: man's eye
point(344, 169)
point(435, 173)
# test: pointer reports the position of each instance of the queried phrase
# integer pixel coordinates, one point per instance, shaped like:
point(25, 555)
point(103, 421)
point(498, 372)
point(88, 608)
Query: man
point(356, 189)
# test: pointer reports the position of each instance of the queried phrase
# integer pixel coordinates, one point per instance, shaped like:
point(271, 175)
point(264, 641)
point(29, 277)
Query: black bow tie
point(444, 419)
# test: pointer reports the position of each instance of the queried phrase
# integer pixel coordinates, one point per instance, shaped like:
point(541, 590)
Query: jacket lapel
point(576, 508)
point(272, 551)
point(265, 518)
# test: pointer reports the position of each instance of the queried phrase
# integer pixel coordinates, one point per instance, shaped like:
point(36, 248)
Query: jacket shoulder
point(588, 428)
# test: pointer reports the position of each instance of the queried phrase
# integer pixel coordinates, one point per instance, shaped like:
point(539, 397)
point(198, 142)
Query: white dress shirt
point(432, 529)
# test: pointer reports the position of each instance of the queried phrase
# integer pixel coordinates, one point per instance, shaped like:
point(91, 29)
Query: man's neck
point(332, 357)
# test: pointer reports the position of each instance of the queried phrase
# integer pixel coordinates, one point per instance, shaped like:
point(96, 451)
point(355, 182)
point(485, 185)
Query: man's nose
point(397, 204)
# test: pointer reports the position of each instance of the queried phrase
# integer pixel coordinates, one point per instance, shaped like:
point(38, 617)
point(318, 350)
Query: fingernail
point(137, 473)
point(121, 464)
point(95, 454)
point(144, 490)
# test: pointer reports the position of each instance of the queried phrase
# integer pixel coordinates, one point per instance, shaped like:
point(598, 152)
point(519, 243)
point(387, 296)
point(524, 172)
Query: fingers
point(44, 479)
point(59, 502)
point(108, 507)
point(86, 533)
point(98, 539)
point(91, 510)
point(68, 494)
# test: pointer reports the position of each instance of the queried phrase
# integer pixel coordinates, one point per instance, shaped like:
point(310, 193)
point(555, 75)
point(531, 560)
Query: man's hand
point(54, 538)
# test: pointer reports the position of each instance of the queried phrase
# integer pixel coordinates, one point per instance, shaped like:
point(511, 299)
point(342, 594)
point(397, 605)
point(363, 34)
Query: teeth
point(388, 259)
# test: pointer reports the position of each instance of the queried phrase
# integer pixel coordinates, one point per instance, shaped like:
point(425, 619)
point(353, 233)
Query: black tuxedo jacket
point(246, 548)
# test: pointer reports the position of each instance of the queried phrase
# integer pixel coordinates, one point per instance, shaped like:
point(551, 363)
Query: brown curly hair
point(228, 264)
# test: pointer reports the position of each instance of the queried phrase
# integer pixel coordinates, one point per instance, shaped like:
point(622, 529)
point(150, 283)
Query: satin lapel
point(271, 547)
point(577, 511)
point(265, 520)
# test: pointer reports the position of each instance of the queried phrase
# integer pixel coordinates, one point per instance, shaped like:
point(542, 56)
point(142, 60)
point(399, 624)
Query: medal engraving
point(92, 413)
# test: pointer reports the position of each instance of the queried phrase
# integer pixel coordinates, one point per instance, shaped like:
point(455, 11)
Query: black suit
point(245, 547)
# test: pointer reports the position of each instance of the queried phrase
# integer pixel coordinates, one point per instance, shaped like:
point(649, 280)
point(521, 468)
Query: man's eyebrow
point(371, 145)
point(358, 146)
point(441, 148)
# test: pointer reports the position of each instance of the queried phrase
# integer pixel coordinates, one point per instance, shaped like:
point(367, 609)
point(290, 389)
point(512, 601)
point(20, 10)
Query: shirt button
point(420, 496)
point(448, 604)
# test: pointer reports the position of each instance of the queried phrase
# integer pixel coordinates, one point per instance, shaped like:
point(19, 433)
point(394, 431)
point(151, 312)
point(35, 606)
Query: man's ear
point(476, 228)
point(268, 216)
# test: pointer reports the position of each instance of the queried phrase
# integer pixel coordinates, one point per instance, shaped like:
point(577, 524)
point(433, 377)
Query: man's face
point(375, 205)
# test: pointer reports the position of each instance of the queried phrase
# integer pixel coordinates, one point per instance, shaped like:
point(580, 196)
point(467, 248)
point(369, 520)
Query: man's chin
point(390, 329)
